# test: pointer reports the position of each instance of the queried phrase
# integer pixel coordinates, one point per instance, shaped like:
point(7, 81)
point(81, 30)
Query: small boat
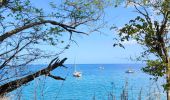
point(76, 73)
point(129, 71)
point(101, 67)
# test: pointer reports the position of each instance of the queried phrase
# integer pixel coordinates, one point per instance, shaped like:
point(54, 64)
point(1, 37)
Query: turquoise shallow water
point(94, 83)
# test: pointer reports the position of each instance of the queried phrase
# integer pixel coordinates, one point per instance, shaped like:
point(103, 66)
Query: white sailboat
point(101, 67)
point(130, 71)
point(76, 73)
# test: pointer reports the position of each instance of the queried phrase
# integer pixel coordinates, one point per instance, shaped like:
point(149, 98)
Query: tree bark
point(10, 86)
point(168, 80)
point(19, 29)
point(168, 91)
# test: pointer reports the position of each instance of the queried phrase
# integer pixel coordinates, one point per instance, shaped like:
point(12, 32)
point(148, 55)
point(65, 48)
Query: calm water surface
point(95, 83)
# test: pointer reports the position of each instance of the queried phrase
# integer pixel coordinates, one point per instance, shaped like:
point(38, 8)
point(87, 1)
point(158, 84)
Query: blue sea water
point(95, 84)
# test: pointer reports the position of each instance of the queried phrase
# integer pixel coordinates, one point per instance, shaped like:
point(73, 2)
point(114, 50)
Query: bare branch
point(56, 77)
point(15, 31)
point(8, 87)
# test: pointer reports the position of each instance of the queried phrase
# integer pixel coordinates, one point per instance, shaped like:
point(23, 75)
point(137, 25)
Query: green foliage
point(156, 68)
point(151, 33)
point(29, 33)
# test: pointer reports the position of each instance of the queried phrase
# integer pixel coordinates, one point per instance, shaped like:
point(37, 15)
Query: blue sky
point(98, 48)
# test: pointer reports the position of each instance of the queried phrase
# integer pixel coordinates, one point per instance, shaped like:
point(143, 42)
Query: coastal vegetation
point(26, 30)
point(151, 30)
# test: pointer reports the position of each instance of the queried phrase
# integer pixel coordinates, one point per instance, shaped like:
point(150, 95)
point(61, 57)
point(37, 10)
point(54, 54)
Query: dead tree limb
point(8, 87)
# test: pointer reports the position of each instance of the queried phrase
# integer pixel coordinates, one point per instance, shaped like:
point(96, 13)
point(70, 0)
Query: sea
point(98, 82)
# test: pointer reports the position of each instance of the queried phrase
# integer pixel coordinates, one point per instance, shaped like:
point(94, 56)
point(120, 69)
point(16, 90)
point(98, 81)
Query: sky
point(98, 48)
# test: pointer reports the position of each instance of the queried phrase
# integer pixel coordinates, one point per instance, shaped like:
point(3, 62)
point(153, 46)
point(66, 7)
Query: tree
point(150, 29)
point(25, 29)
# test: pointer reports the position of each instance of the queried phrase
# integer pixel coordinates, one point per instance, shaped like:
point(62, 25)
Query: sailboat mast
point(74, 65)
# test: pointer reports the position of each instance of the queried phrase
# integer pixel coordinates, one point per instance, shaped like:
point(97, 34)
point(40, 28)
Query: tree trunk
point(10, 86)
point(168, 89)
point(168, 94)
point(168, 80)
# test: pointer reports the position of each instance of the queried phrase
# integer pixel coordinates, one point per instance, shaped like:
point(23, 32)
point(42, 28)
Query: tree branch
point(56, 77)
point(8, 87)
point(15, 31)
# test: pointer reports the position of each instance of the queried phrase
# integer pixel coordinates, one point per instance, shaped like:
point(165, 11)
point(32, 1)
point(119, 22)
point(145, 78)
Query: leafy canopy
point(150, 29)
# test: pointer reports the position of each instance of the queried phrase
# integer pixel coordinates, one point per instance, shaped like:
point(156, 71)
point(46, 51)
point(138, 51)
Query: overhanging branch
point(19, 29)
point(8, 87)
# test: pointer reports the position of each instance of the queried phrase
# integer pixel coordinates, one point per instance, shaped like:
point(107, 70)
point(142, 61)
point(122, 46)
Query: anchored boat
point(76, 73)
point(129, 71)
